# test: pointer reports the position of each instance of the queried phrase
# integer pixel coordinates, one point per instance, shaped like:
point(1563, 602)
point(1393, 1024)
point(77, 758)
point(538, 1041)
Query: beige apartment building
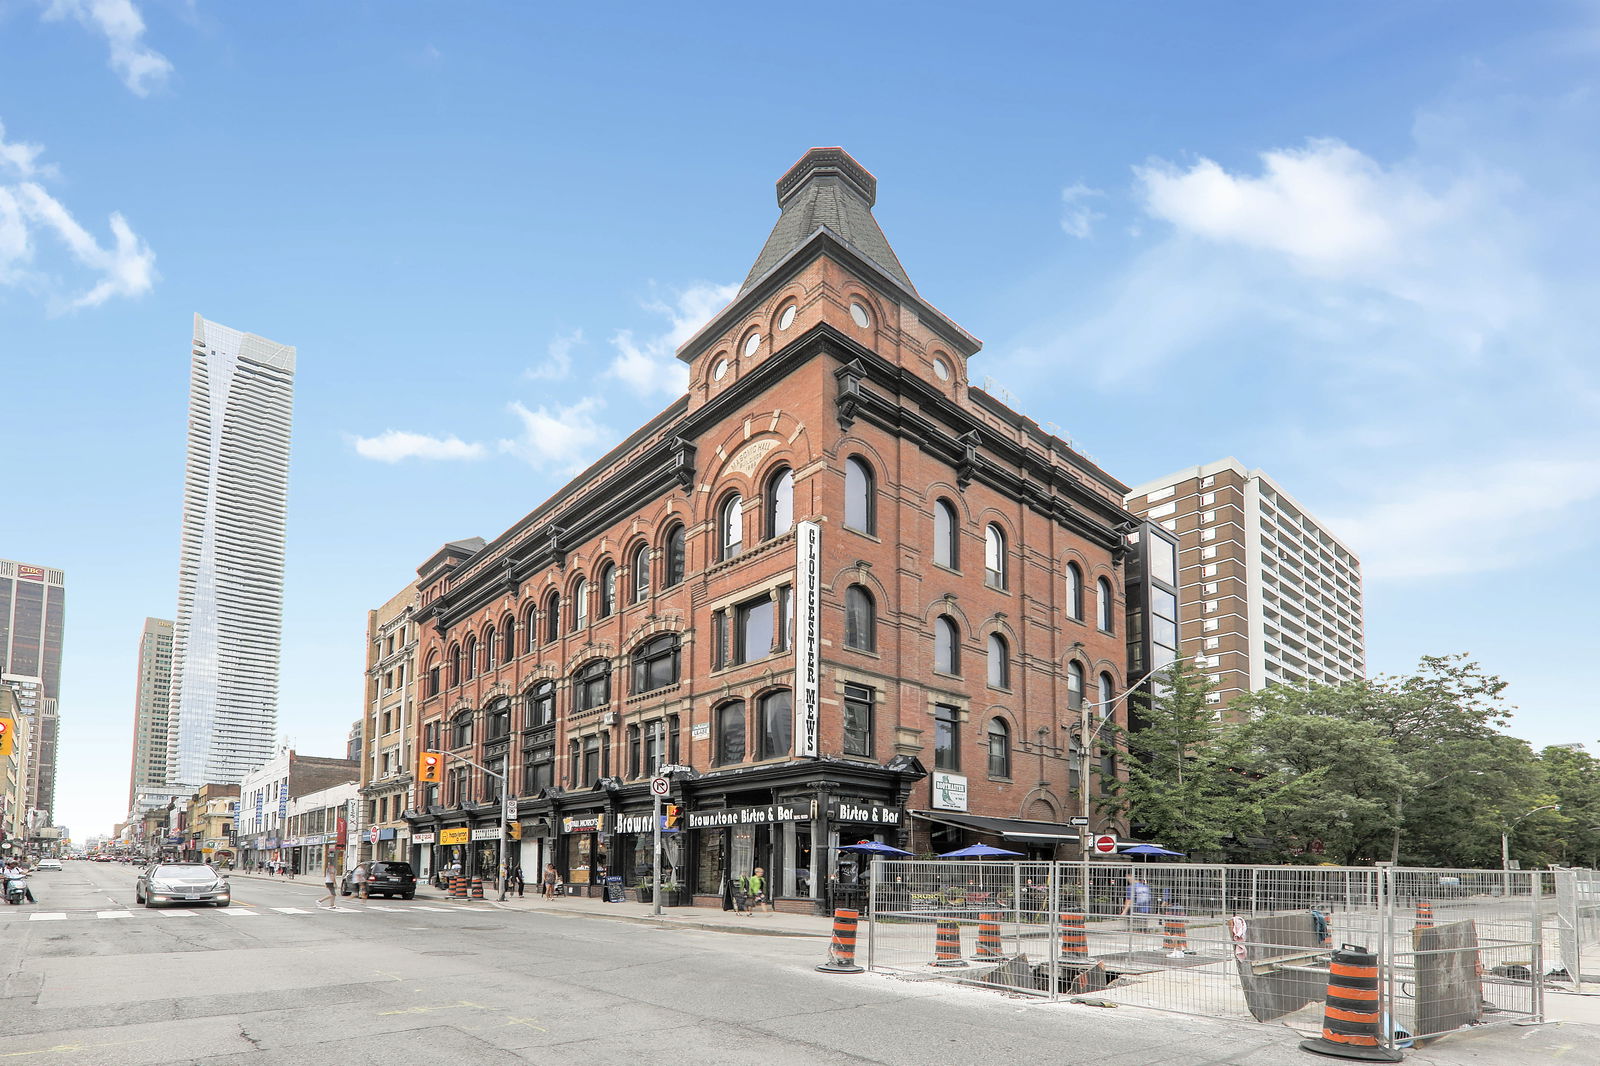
point(387, 729)
point(14, 769)
point(1268, 594)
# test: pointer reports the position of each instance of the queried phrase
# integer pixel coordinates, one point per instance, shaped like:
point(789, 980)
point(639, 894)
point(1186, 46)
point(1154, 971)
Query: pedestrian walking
point(1136, 903)
point(514, 880)
point(330, 874)
point(757, 891)
point(551, 880)
point(358, 878)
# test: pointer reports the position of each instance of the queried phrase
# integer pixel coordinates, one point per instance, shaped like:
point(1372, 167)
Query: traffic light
point(430, 767)
point(673, 813)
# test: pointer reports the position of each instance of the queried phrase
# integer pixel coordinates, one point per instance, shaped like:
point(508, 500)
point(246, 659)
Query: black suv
point(383, 879)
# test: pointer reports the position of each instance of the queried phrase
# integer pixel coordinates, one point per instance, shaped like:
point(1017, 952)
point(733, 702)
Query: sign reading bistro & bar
point(765, 814)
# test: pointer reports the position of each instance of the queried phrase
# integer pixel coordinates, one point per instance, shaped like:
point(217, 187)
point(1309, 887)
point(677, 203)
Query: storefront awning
point(1010, 828)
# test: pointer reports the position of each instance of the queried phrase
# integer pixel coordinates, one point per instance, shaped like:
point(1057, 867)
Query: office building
point(152, 702)
point(224, 710)
point(1268, 594)
point(33, 609)
point(386, 748)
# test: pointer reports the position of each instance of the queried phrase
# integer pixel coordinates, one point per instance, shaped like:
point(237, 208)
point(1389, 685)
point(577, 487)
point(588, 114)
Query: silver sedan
point(181, 882)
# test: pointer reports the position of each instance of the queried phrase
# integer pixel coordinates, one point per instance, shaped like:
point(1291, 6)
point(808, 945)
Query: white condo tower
point(230, 581)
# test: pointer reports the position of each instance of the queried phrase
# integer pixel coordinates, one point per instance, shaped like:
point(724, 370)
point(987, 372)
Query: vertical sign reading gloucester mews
point(807, 636)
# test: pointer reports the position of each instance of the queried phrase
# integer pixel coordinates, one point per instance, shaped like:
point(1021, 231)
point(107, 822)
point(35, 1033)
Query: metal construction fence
point(1454, 947)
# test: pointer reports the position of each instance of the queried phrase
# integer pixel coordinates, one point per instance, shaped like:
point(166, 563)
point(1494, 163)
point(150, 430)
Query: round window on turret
point(941, 370)
point(786, 319)
point(751, 343)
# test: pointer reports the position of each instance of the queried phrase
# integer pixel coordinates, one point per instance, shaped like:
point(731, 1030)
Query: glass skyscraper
point(230, 580)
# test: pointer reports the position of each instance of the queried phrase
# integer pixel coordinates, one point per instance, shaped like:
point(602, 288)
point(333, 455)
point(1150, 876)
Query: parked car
point(181, 882)
point(49, 864)
point(384, 878)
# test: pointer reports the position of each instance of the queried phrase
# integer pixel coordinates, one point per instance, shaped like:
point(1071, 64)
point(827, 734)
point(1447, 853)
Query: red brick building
point(853, 596)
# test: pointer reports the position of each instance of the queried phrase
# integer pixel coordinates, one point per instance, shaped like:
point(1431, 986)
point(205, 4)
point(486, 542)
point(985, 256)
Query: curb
point(669, 923)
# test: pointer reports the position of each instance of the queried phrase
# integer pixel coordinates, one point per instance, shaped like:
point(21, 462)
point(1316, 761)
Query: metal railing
point(1455, 947)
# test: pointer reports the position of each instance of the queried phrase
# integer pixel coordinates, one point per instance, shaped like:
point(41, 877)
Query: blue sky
point(1369, 227)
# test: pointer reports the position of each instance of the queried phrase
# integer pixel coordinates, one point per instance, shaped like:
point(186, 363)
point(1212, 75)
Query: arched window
point(607, 580)
point(470, 653)
point(730, 527)
point(673, 565)
point(999, 748)
point(580, 604)
point(1075, 686)
point(859, 496)
point(860, 619)
point(1102, 605)
point(508, 639)
point(497, 719)
point(780, 502)
point(639, 571)
point(530, 630)
point(994, 556)
point(455, 665)
point(946, 645)
point(591, 686)
point(775, 736)
point(1106, 695)
point(540, 705)
point(433, 675)
point(655, 663)
point(1074, 592)
point(730, 733)
point(999, 662)
point(946, 547)
point(552, 616)
point(491, 650)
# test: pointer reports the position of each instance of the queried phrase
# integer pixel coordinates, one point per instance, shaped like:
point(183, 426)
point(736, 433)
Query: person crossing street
point(330, 875)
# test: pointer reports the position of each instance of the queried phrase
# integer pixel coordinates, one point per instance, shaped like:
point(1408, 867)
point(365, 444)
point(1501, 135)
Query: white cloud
point(1077, 217)
point(558, 358)
point(651, 365)
point(27, 210)
point(564, 439)
point(394, 445)
point(1468, 519)
point(119, 22)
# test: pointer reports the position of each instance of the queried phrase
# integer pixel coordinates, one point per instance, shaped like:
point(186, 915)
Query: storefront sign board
point(869, 813)
point(807, 637)
point(949, 791)
point(492, 833)
point(422, 838)
point(455, 836)
point(583, 823)
point(765, 814)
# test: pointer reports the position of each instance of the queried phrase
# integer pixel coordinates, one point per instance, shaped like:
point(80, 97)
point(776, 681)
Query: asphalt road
point(274, 980)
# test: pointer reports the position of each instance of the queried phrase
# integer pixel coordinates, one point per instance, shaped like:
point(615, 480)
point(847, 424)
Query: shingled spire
point(829, 190)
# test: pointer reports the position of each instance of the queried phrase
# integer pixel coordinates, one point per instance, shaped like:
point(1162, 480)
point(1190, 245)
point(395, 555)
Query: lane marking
point(113, 914)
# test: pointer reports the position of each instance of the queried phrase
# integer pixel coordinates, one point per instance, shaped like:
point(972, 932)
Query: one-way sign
point(1077, 819)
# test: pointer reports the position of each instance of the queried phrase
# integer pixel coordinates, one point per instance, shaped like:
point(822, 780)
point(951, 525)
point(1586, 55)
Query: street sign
point(1077, 819)
point(660, 786)
point(1105, 844)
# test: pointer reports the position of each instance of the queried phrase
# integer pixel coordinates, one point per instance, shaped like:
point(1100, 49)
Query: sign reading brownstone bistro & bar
point(764, 814)
point(870, 813)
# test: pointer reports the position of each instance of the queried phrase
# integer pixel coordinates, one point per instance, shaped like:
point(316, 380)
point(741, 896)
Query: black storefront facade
point(790, 819)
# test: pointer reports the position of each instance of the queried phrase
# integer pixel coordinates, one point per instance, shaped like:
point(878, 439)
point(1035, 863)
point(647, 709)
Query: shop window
point(860, 503)
point(540, 705)
point(775, 724)
point(639, 570)
point(607, 580)
point(946, 534)
point(994, 557)
point(655, 663)
point(946, 645)
point(946, 732)
point(860, 619)
point(730, 527)
point(730, 733)
point(999, 749)
point(780, 502)
point(673, 564)
point(999, 662)
point(858, 707)
point(1074, 592)
point(591, 686)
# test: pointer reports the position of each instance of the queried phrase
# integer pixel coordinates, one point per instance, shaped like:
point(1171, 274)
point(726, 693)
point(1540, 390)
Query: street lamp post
point(1400, 807)
point(1505, 845)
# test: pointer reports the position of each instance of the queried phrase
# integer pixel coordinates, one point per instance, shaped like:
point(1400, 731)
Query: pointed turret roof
point(827, 189)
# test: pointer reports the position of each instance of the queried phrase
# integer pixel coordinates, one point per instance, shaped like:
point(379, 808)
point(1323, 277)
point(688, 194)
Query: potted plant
point(672, 894)
point(645, 890)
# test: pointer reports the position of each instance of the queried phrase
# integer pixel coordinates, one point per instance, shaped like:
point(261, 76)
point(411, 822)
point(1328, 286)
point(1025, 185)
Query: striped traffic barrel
point(1351, 1018)
point(947, 944)
point(842, 952)
point(1074, 940)
point(989, 945)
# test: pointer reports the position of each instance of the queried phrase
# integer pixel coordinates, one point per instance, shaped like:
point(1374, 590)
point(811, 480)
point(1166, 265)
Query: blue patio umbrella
point(978, 851)
point(872, 847)
point(1149, 849)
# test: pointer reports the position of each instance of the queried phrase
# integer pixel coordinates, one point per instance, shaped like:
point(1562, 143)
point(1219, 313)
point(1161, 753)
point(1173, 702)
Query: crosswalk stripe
point(181, 912)
point(232, 913)
point(290, 910)
point(420, 907)
point(112, 914)
point(375, 907)
point(47, 916)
